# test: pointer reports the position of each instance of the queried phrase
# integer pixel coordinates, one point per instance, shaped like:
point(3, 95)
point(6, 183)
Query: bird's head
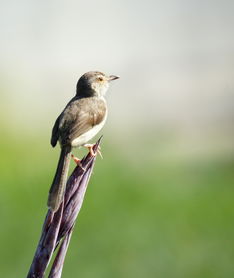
point(94, 83)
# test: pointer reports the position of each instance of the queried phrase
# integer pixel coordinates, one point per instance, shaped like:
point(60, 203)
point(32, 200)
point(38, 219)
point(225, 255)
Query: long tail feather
point(59, 183)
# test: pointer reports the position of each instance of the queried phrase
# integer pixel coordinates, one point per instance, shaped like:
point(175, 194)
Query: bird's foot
point(90, 148)
point(77, 161)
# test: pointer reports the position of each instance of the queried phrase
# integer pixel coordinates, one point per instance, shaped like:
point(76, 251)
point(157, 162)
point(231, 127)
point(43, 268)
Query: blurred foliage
point(153, 219)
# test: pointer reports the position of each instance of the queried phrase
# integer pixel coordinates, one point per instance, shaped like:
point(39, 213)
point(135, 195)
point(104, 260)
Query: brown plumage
point(81, 119)
point(79, 116)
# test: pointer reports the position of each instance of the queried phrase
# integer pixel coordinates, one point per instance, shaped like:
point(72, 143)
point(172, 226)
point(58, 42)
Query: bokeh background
point(160, 203)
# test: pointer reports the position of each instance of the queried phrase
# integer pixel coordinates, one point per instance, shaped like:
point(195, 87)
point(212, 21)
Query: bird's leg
point(90, 148)
point(77, 161)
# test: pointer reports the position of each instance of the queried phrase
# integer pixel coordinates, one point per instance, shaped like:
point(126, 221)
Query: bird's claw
point(77, 161)
point(90, 148)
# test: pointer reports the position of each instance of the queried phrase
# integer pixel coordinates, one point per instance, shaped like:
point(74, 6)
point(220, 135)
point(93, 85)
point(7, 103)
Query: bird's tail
point(59, 183)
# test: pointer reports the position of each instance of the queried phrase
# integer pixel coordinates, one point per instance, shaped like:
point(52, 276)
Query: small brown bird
point(79, 122)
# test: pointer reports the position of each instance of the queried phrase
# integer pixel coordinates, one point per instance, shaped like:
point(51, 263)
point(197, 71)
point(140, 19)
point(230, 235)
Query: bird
point(82, 118)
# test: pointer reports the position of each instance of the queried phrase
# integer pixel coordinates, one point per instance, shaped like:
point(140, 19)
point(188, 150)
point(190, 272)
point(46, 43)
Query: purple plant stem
point(58, 226)
point(57, 267)
point(74, 204)
point(46, 244)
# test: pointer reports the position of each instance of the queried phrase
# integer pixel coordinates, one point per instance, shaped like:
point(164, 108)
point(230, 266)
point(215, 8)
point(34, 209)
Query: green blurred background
point(160, 203)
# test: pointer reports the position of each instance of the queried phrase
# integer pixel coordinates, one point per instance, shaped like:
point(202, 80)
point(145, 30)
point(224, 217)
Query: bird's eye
point(100, 78)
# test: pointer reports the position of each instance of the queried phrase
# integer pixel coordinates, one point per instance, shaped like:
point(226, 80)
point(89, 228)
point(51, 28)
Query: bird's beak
point(113, 77)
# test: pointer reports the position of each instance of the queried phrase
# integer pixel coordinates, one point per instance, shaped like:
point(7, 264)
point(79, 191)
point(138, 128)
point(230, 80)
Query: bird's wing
point(55, 132)
point(79, 117)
